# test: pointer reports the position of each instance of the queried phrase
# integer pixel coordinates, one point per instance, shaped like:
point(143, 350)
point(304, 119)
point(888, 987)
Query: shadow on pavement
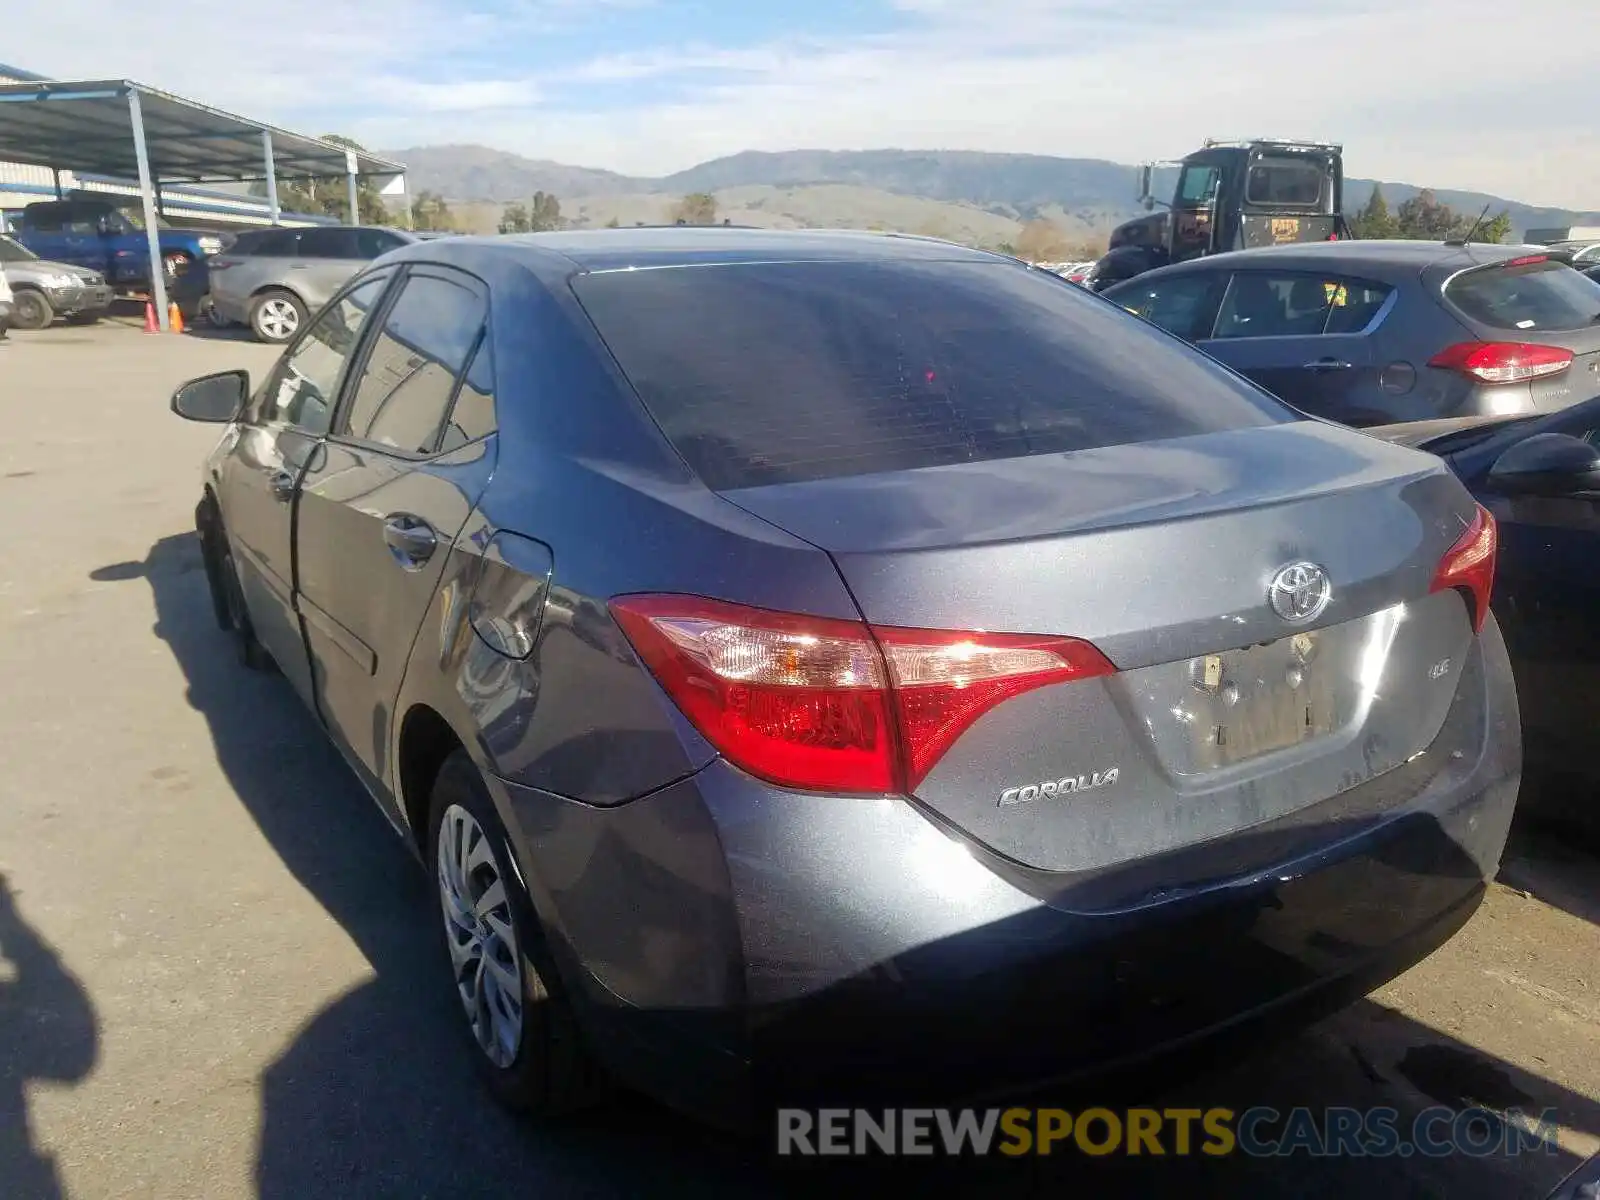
point(377, 1096)
point(48, 1034)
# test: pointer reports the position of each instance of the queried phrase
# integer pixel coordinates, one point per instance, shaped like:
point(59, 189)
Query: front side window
point(304, 388)
point(1269, 304)
point(1199, 185)
point(1185, 305)
point(410, 374)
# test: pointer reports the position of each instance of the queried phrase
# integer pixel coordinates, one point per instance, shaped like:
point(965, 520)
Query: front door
point(382, 505)
point(1547, 599)
point(1305, 338)
point(279, 438)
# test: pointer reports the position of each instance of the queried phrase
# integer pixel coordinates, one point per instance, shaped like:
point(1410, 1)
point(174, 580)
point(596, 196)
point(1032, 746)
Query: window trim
point(403, 274)
point(484, 340)
point(385, 274)
point(1371, 326)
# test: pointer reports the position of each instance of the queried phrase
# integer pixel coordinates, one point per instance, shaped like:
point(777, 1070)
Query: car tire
point(548, 1072)
point(276, 316)
point(31, 309)
point(227, 595)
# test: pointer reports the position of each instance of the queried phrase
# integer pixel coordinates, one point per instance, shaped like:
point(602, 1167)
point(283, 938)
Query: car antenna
point(1462, 241)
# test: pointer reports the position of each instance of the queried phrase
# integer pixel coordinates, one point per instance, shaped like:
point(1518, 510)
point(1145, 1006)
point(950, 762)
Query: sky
point(1472, 94)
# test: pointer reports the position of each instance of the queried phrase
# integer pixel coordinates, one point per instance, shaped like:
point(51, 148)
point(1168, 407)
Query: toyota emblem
point(1300, 592)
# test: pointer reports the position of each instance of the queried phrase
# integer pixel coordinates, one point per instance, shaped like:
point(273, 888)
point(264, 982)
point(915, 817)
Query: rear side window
point(409, 378)
point(1285, 183)
point(1536, 294)
point(1269, 304)
point(786, 372)
point(329, 243)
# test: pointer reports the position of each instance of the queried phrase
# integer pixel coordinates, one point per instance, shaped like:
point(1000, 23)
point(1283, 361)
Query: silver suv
point(41, 290)
point(273, 279)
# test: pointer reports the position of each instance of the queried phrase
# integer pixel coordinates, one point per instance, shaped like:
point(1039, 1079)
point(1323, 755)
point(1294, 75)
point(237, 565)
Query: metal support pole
point(405, 203)
point(59, 194)
point(272, 174)
point(350, 174)
point(152, 232)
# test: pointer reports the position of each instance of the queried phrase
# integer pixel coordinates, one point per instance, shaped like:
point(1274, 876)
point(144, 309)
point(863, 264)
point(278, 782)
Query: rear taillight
point(1503, 362)
point(1468, 566)
point(830, 705)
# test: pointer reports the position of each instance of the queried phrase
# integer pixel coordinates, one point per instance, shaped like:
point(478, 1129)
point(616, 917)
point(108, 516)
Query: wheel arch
point(424, 742)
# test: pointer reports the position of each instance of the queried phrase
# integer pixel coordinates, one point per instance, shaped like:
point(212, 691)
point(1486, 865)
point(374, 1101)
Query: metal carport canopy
point(128, 129)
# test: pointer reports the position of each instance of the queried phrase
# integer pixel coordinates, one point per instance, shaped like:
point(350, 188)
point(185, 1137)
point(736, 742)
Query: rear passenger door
point(406, 460)
point(1307, 338)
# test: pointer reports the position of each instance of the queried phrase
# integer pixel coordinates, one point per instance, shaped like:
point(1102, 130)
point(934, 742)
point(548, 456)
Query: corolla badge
point(1300, 592)
point(1059, 787)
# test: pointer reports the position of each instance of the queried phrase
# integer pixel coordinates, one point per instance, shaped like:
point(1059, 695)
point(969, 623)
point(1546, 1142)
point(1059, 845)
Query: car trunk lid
point(1222, 714)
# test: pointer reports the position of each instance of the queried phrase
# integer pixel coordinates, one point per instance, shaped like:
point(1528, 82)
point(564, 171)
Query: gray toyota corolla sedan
point(824, 664)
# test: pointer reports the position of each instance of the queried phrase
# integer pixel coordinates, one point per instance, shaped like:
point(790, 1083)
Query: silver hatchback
point(273, 279)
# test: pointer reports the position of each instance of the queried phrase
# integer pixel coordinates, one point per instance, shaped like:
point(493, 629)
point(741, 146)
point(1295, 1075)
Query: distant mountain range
point(986, 195)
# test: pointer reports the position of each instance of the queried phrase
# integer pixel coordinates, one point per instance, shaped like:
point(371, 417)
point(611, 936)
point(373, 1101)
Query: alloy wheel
point(481, 937)
point(278, 318)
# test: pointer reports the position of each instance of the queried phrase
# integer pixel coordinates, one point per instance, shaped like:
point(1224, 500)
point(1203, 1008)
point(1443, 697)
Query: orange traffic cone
point(175, 317)
point(150, 325)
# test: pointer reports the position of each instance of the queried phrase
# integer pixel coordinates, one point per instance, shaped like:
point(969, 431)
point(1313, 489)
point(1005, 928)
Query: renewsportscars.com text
point(1156, 1132)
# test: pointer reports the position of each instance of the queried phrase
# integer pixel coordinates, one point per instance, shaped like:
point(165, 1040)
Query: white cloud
point(1424, 91)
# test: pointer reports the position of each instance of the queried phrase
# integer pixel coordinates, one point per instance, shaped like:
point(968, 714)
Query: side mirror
point(216, 399)
point(1547, 464)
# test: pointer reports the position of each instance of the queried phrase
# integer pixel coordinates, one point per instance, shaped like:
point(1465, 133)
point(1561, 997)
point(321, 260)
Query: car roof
point(691, 245)
point(1376, 258)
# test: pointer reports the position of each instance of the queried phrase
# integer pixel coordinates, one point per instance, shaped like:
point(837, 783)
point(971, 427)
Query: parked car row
point(896, 635)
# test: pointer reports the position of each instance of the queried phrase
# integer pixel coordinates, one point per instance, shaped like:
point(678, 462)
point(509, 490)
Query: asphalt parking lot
point(217, 964)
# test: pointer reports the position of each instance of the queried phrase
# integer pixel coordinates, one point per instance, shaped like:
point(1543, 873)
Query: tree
point(697, 208)
point(329, 196)
point(613, 224)
point(515, 219)
point(429, 210)
point(1374, 220)
point(1042, 241)
point(544, 212)
point(1424, 217)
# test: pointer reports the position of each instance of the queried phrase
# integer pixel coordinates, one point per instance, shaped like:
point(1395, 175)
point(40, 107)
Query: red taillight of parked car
point(1503, 362)
point(1468, 566)
point(830, 705)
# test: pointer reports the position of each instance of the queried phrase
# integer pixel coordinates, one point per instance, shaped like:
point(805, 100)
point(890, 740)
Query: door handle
point(281, 484)
point(410, 539)
point(1325, 364)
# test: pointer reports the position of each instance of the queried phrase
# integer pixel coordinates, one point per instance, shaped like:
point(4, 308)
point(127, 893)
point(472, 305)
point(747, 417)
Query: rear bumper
point(733, 947)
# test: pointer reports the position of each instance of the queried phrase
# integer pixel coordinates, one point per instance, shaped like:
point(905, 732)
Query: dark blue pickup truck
point(104, 237)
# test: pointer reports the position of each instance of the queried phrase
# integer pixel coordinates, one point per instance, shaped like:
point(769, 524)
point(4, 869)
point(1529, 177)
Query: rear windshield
point(1285, 183)
point(1535, 295)
point(787, 372)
